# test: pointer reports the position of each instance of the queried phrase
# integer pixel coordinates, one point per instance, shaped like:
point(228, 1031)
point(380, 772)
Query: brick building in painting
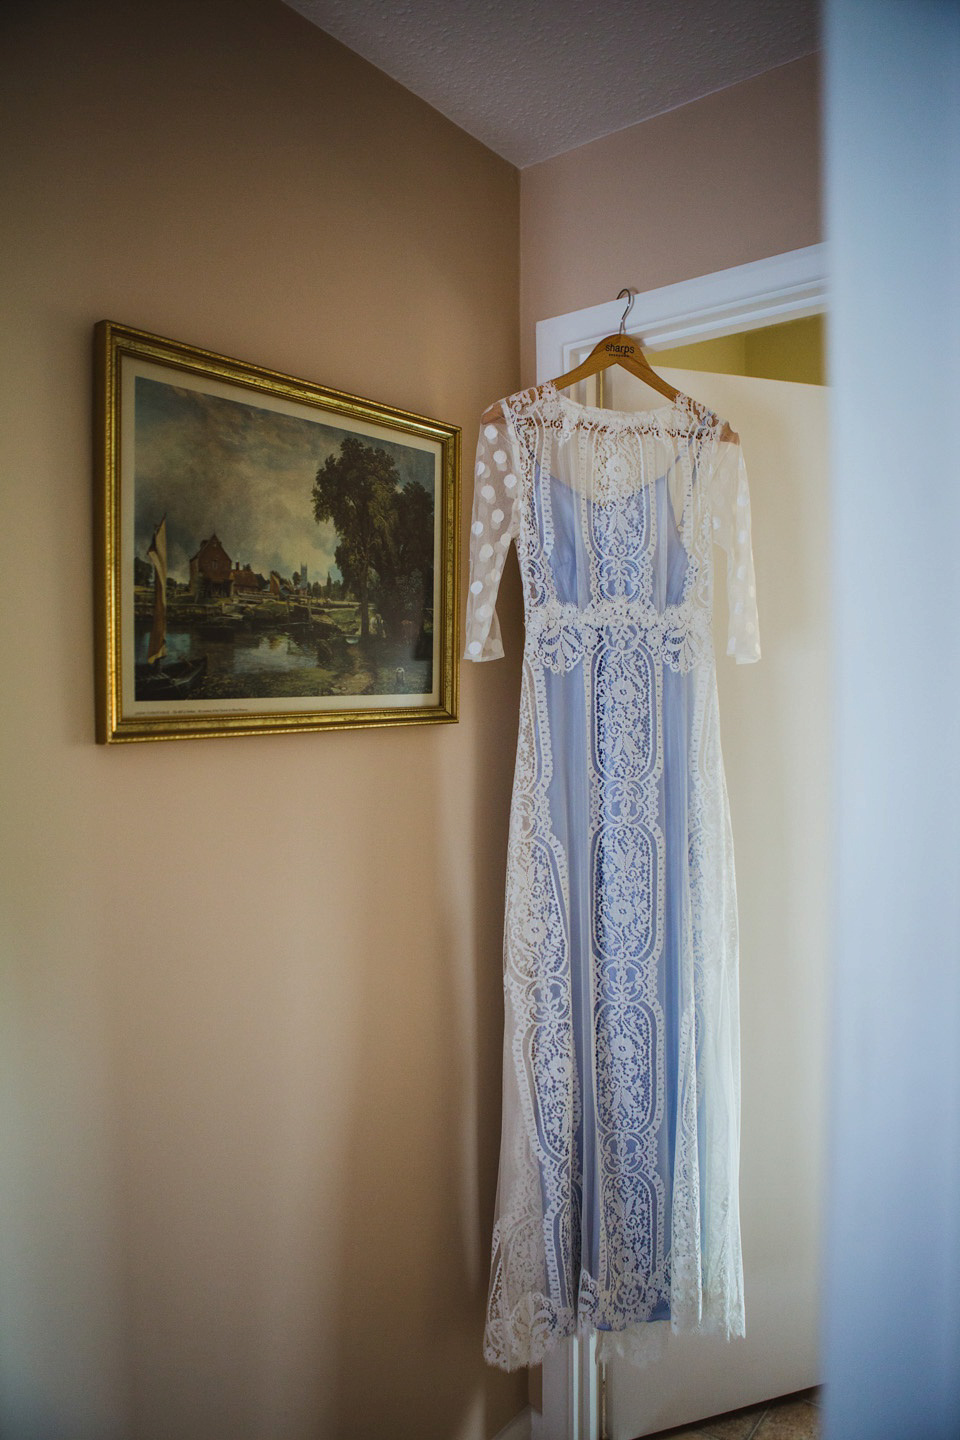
point(210, 571)
point(244, 581)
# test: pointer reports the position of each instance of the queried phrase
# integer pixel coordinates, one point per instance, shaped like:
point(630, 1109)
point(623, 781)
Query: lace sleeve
point(731, 531)
point(495, 515)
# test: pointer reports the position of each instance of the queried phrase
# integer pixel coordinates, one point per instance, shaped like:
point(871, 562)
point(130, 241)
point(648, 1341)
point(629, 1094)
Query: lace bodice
point(603, 457)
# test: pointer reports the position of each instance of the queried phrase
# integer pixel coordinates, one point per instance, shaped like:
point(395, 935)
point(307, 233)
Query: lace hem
point(536, 1326)
point(641, 1345)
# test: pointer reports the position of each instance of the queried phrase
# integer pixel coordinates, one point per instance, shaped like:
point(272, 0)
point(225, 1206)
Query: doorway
point(768, 380)
point(776, 747)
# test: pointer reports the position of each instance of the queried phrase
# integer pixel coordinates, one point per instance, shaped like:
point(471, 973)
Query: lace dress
point(617, 1201)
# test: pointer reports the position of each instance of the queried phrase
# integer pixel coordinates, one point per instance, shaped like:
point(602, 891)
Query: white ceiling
point(539, 77)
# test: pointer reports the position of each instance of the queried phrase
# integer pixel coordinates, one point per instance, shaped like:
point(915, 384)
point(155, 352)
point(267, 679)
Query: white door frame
point(745, 297)
point(728, 302)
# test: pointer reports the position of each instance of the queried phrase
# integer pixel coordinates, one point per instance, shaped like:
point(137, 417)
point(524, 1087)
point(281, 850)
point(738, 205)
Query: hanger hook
point(630, 298)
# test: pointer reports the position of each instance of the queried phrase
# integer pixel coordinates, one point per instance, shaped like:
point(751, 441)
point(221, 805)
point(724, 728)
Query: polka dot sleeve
point(493, 526)
point(731, 531)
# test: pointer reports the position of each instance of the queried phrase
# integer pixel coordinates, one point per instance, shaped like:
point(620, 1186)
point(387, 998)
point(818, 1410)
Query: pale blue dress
point(617, 1200)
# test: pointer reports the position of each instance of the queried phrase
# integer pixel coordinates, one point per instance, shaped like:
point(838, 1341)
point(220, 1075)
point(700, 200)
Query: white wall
point(892, 1298)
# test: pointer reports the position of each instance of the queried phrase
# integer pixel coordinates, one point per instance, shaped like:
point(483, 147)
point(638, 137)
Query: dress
point(617, 1202)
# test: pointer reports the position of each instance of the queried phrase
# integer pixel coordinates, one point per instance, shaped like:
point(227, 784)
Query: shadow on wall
point(407, 1279)
point(409, 1198)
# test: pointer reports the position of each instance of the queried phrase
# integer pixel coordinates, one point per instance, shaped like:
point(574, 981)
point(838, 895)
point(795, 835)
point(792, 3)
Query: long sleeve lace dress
point(617, 1202)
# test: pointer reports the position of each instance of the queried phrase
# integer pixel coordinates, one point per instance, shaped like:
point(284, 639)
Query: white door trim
point(571, 1393)
point(745, 297)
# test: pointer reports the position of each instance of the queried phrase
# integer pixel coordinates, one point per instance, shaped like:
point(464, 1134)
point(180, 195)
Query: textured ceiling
point(539, 77)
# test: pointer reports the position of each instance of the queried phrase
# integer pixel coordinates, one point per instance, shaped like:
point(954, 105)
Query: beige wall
point(732, 178)
point(250, 1021)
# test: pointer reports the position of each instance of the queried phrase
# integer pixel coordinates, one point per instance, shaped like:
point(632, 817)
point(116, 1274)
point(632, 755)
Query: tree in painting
point(354, 490)
point(384, 531)
point(404, 560)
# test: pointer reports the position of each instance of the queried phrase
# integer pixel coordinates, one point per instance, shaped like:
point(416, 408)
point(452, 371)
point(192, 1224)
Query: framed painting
point(273, 555)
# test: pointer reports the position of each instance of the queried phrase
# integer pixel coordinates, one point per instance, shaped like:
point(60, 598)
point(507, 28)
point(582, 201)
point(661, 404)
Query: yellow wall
point(250, 1021)
point(793, 351)
point(797, 351)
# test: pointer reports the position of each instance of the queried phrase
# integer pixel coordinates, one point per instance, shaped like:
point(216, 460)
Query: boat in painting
point(171, 680)
point(159, 678)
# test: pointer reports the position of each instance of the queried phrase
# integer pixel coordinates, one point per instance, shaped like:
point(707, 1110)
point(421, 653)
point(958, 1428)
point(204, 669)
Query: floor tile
point(795, 1417)
point(796, 1420)
point(739, 1425)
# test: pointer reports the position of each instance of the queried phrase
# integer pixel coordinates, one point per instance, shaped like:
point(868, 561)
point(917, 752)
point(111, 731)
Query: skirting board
point(519, 1428)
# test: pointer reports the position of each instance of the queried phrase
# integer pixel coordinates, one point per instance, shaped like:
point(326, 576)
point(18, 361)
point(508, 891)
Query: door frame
point(745, 297)
point(782, 287)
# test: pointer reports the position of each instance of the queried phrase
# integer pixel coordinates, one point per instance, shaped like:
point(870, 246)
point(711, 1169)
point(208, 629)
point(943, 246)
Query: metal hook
point(630, 299)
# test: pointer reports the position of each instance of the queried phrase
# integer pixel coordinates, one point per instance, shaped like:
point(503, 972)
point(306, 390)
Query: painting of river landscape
point(284, 557)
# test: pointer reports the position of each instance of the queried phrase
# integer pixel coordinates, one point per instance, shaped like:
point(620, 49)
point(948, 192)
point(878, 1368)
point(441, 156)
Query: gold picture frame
point(273, 555)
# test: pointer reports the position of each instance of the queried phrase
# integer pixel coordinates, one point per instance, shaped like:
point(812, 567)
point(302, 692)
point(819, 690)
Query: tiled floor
point(795, 1417)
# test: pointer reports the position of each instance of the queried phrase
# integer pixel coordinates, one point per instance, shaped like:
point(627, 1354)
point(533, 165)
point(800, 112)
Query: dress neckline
point(624, 418)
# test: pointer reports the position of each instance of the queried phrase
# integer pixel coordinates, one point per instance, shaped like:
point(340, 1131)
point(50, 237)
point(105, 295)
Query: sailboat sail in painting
point(177, 678)
point(157, 555)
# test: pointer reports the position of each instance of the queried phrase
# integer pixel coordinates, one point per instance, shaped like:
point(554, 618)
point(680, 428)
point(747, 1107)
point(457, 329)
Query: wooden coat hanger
point(619, 349)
